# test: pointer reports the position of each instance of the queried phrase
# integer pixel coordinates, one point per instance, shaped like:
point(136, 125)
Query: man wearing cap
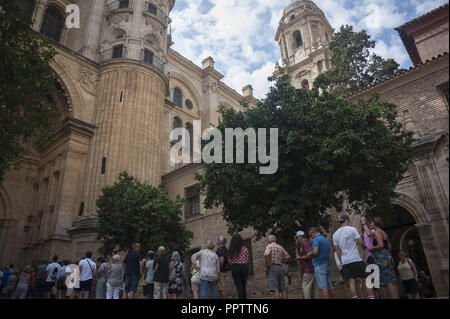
point(308, 280)
point(161, 276)
point(346, 240)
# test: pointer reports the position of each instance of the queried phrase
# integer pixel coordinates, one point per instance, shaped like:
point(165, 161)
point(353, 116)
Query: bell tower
point(303, 36)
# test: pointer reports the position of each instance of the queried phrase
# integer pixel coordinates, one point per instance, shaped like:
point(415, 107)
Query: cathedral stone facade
point(123, 89)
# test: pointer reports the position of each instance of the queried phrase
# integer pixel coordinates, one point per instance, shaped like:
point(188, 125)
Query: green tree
point(26, 80)
point(354, 67)
point(130, 211)
point(331, 152)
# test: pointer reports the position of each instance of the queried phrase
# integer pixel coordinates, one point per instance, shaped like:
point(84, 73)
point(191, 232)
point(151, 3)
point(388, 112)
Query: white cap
point(299, 233)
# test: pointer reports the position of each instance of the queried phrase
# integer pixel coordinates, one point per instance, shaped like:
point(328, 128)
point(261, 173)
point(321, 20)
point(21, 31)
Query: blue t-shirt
point(6, 275)
point(323, 257)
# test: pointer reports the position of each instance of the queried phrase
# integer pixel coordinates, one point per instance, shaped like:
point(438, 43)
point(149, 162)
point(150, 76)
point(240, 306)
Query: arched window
point(305, 84)
point(177, 97)
point(28, 6)
point(298, 39)
point(176, 124)
point(52, 24)
point(189, 104)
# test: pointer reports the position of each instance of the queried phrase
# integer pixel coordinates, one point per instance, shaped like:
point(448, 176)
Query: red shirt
point(306, 265)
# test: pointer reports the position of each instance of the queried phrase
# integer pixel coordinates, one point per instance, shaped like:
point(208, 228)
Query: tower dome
point(298, 7)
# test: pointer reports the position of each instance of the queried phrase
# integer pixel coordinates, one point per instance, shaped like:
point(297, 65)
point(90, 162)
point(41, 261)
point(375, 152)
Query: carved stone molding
point(88, 80)
point(210, 86)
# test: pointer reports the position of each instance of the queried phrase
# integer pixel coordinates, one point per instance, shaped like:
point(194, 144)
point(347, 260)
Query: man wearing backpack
point(88, 269)
point(222, 253)
point(52, 274)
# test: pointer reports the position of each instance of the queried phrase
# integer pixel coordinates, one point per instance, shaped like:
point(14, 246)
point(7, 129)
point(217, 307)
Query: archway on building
point(400, 226)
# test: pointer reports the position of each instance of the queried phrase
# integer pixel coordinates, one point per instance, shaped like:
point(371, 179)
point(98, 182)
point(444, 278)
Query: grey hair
point(136, 245)
point(314, 230)
point(116, 258)
point(272, 238)
point(223, 240)
point(175, 255)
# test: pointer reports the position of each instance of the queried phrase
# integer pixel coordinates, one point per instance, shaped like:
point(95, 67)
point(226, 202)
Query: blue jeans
point(204, 289)
point(323, 276)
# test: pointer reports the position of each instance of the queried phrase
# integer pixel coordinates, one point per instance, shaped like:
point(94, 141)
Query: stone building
point(123, 89)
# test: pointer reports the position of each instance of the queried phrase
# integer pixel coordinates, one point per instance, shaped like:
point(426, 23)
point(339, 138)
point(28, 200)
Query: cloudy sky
point(239, 34)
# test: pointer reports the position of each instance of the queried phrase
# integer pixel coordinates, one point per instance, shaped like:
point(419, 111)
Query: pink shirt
point(242, 257)
point(368, 241)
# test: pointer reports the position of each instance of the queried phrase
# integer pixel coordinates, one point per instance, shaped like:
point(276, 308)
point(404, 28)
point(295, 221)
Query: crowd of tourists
point(164, 278)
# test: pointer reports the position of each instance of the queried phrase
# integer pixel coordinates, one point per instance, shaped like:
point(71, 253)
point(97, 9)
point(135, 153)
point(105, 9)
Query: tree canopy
point(26, 80)
point(331, 152)
point(130, 211)
point(354, 66)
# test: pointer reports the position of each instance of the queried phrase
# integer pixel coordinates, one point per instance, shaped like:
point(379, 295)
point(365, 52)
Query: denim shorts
point(323, 276)
point(131, 283)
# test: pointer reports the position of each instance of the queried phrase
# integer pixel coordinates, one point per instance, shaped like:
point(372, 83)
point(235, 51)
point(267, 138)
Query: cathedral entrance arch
point(404, 235)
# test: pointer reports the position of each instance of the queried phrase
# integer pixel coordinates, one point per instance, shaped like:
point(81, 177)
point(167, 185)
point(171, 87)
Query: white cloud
point(239, 34)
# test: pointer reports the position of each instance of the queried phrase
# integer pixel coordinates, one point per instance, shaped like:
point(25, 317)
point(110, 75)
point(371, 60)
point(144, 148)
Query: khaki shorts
point(195, 286)
point(221, 282)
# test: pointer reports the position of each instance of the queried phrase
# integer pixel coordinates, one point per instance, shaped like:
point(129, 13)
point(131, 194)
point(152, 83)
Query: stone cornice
point(63, 130)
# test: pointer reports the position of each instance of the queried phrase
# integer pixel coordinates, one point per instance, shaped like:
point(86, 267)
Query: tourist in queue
point(41, 277)
point(209, 269)
point(222, 253)
point(176, 277)
point(100, 291)
point(195, 279)
point(88, 269)
point(308, 280)
point(320, 254)
point(61, 280)
point(274, 257)
point(346, 240)
point(132, 271)
point(238, 258)
point(161, 277)
point(23, 284)
point(11, 283)
point(114, 278)
point(52, 274)
point(150, 273)
point(408, 275)
point(381, 251)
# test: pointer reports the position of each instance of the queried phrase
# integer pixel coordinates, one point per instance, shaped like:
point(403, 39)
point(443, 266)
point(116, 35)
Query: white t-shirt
point(86, 270)
point(345, 238)
point(209, 264)
point(50, 269)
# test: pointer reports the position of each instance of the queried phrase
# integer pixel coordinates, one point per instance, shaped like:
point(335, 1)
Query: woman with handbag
point(209, 269)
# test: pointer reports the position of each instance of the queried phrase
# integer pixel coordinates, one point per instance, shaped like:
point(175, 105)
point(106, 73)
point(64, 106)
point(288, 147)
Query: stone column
point(130, 120)
point(440, 280)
